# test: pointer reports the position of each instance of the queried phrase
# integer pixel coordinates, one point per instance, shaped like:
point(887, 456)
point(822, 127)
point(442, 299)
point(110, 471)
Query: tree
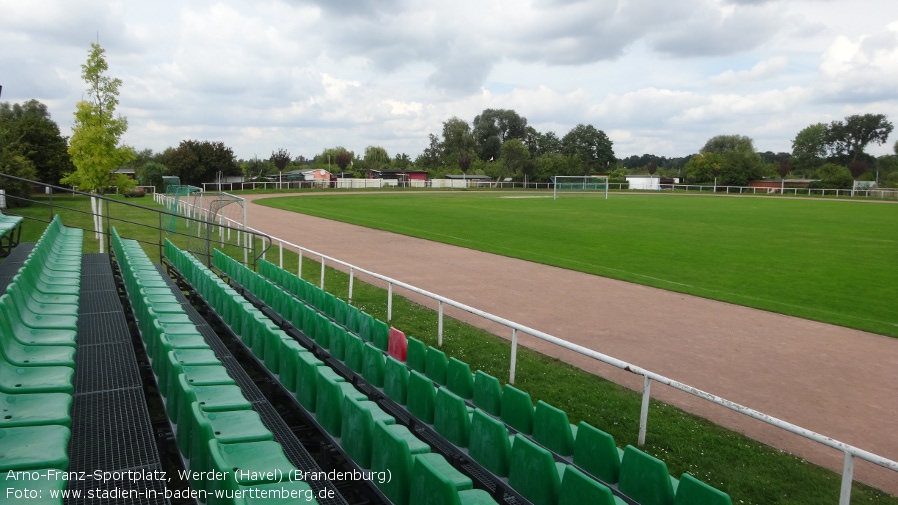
point(376, 157)
point(13, 163)
point(196, 162)
point(848, 139)
point(833, 176)
point(150, 174)
point(432, 157)
point(740, 167)
point(493, 127)
point(809, 148)
point(514, 158)
point(401, 161)
point(591, 146)
point(702, 167)
point(95, 147)
point(280, 159)
point(343, 159)
point(723, 143)
point(458, 143)
point(28, 130)
point(549, 165)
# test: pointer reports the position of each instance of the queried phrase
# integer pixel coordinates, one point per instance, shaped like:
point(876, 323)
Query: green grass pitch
point(831, 261)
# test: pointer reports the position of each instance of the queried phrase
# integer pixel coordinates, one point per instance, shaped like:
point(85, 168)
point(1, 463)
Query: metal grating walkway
point(296, 453)
point(111, 428)
point(12, 263)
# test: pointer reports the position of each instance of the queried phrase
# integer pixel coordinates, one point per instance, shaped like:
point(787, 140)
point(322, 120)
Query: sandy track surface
point(836, 381)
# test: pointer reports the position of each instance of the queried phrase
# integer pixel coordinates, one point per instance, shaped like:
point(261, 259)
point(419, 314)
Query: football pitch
point(826, 260)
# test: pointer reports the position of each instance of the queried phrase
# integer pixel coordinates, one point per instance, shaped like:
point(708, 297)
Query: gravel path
point(833, 380)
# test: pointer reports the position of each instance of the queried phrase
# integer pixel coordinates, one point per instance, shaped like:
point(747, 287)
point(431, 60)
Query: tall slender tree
point(95, 147)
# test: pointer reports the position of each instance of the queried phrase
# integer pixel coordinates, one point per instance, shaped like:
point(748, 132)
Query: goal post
point(579, 184)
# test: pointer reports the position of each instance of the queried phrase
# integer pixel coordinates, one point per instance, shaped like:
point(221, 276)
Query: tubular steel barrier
point(850, 452)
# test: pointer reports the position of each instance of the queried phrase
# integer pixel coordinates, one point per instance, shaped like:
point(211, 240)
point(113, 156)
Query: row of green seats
point(345, 413)
point(367, 327)
point(10, 232)
point(484, 431)
point(38, 330)
point(215, 427)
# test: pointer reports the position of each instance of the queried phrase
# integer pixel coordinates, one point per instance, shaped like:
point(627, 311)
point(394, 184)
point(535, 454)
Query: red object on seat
point(398, 345)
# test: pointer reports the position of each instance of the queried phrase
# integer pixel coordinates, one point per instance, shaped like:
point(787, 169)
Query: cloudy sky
point(658, 76)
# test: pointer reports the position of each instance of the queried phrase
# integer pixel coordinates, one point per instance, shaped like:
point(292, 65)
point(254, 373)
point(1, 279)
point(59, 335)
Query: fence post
point(299, 267)
point(351, 276)
point(389, 301)
point(644, 411)
point(322, 273)
point(847, 476)
point(514, 355)
point(440, 324)
point(281, 253)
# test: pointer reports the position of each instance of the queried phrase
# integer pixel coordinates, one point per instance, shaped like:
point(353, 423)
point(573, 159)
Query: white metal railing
point(871, 193)
point(850, 452)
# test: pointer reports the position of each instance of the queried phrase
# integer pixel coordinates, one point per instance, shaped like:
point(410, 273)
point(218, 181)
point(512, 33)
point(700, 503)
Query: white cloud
point(760, 71)
point(659, 76)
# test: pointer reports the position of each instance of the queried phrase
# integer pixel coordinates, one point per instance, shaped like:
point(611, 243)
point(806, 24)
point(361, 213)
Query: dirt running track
point(836, 381)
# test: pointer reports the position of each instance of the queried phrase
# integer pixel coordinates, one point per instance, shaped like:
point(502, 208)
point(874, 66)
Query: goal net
point(580, 184)
point(210, 220)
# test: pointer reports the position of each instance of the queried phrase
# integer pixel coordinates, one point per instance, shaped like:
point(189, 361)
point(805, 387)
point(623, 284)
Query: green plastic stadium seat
point(436, 482)
point(451, 418)
point(533, 472)
point(596, 452)
point(35, 379)
point(34, 447)
point(288, 362)
point(338, 339)
point(421, 397)
point(578, 489)
point(380, 335)
point(552, 429)
point(216, 398)
point(487, 393)
point(357, 431)
point(373, 365)
point(395, 380)
point(394, 448)
point(366, 326)
point(517, 409)
point(35, 355)
point(489, 443)
point(227, 427)
point(645, 478)
point(353, 355)
point(35, 409)
point(332, 389)
point(341, 311)
point(436, 365)
point(416, 352)
point(397, 344)
point(11, 324)
point(307, 380)
point(459, 379)
point(692, 491)
point(246, 464)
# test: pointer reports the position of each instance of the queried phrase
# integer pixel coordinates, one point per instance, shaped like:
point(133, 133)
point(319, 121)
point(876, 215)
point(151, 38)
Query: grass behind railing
point(751, 472)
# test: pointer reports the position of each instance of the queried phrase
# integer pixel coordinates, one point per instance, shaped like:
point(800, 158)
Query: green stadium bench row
point(215, 427)
point(487, 437)
point(10, 233)
point(368, 435)
point(38, 325)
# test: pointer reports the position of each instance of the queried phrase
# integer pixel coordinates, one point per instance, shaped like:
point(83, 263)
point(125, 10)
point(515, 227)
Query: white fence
point(850, 452)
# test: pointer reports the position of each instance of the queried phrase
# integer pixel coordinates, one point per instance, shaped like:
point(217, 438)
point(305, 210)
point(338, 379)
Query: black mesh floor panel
point(12, 263)
point(105, 367)
point(111, 427)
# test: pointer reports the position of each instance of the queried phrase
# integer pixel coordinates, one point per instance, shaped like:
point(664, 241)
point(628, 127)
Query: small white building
point(644, 182)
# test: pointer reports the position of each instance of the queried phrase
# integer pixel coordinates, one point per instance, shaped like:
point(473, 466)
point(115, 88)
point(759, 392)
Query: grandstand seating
point(533, 449)
point(10, 233)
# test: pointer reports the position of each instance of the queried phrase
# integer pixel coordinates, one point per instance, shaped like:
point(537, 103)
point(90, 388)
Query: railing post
point(281, 253)
point(847, 477)
point(644, 411)
point(514, 355)
point(299, 267)
point(351, 277)
point(322, 272)
point(440, 324)
point(389, 301)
